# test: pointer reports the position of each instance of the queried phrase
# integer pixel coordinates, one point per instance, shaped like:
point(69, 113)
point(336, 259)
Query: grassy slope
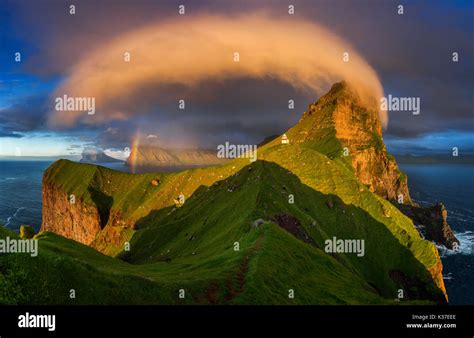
point(270, 268)
point(134, 197)
point(262, 193)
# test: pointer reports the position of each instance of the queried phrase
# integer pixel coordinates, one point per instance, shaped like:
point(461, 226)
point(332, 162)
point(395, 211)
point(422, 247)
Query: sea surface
point(20, 203)
point(20, 191)
point(452, 184)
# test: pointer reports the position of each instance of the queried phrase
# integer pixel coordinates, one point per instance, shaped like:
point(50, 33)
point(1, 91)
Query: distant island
point(93, 155)
point(149, 157)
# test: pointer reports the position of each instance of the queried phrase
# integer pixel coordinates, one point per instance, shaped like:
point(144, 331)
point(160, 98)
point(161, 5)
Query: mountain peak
point(345, 105)
point(338, 124)
point(338, 87)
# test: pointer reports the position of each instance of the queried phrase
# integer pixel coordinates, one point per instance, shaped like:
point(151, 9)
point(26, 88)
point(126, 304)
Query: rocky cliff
point(68, 217)
point(432, 223)
point(358, 136)
point(78, 206)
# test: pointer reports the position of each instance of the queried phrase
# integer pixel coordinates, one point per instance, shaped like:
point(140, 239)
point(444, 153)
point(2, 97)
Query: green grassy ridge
point(63, 264)
point(388, 245)
point(176, 227)
point(383, 252)
point(98, 279)
point(132, 197)
point(329, 177)
point(324, 279)
point(133, 194)
point(257, 197)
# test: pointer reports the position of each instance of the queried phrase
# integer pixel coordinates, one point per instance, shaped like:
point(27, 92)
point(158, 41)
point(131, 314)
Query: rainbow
point(132, 160)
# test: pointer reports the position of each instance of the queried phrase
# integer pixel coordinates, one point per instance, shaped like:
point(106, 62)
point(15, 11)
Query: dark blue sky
point(410, 53)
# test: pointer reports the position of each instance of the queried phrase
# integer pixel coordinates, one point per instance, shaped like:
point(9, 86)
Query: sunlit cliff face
point(188, 51)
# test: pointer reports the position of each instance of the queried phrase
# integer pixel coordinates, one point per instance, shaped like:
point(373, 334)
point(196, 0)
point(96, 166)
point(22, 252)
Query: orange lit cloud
point(189, 50)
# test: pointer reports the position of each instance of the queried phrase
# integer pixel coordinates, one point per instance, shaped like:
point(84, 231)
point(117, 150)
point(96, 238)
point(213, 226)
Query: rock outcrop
point(26, 232)
point(71, 218)
point(432, 222)
point(85, 216)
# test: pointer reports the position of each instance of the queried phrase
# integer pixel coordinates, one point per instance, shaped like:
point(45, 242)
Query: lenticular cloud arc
point(188, 50)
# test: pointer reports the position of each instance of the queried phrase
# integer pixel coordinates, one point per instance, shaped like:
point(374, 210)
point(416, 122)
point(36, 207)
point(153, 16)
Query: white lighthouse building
point(284, 139)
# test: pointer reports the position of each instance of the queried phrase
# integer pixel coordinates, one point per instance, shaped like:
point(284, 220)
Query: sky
point(190, 57)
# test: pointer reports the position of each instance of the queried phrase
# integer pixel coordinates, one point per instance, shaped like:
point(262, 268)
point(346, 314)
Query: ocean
point(20, 203)
point(20, 192)
point(452, 184)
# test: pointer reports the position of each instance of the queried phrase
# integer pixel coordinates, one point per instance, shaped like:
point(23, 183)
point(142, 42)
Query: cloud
point(187, 52)
point(23, 116)
point(10, 134)
point(118, 154)
point(438, 142)
point(247, 109)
